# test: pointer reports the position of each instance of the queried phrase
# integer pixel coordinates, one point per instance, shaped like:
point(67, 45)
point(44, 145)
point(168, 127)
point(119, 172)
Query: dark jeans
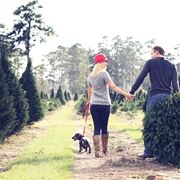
point(151, 102)
point(100, 115)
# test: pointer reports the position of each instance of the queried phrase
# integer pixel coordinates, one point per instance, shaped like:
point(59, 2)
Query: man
point(163, 80)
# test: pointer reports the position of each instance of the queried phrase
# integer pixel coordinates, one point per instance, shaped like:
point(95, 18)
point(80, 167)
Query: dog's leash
point(86, 109)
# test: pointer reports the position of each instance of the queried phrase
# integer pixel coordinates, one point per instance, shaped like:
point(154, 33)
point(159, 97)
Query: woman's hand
point(129, 96)
point(87, 105)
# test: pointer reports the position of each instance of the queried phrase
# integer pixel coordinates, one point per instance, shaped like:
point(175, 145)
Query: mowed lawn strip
point(50, 156)
point(134, 131)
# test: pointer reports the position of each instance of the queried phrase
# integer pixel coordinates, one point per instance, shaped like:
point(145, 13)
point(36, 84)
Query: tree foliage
point(60, 96)
point(162, 130)
point(15, 90)
point(7, 110)
point(30, 27)
point(29, 85)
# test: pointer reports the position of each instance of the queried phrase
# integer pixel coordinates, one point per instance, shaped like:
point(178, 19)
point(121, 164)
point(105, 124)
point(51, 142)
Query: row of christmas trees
point(20, 102)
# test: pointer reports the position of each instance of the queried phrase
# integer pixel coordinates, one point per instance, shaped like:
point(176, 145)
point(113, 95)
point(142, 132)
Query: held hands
point(129, 97)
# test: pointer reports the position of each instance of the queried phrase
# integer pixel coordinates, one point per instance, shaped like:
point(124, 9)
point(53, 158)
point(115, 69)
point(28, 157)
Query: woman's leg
point(96, 119)
point(104, 118)
point(94, 109)
point(105, 111)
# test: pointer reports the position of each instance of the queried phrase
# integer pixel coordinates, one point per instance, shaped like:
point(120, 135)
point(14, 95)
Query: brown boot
point(96, 140)
point(104, 138)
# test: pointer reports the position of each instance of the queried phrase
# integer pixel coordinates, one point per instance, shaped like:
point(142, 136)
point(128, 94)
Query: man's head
point(157, 51)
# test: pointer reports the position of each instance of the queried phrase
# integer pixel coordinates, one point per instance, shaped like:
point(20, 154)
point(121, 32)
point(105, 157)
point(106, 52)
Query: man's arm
point(140, 78)
point(174, 80)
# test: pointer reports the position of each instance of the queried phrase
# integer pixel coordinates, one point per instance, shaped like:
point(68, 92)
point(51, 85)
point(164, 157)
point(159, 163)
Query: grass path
point(48, 156)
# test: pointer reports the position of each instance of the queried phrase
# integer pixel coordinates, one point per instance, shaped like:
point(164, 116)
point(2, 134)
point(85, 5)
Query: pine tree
point(29, 85)
point(52, 94)
point(76, 97)
point(7, 110)
point(46, 97)
point(60, 96)
point(15, 89)
point(69, 96)
point(66, 96)
point(42, 95)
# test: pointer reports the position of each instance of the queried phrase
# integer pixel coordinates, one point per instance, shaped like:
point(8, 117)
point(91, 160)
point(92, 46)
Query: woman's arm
point(119, 90)
point(90, 90)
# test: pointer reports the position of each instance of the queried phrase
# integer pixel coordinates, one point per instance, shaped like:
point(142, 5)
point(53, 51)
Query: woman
point(99, 82)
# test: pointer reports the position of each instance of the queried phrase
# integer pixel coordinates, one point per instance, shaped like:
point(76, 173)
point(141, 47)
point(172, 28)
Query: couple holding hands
point(163, 79)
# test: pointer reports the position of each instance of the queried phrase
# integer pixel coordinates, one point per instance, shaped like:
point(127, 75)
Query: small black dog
point(84, 142)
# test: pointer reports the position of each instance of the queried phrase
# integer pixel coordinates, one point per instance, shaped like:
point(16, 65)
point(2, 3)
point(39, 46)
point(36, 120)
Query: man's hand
point(129, 97)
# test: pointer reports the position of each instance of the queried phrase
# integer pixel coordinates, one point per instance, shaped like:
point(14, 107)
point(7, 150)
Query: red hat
point(100, 58)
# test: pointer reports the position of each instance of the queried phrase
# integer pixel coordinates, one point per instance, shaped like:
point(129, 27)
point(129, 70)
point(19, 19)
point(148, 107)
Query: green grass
point(133, 131)
point(50, 156)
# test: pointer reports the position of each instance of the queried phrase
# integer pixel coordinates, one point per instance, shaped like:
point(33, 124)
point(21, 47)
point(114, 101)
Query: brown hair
point(159, 49)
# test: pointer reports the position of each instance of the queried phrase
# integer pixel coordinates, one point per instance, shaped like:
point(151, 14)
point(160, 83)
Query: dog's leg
point(89, 149)
point(80, 147)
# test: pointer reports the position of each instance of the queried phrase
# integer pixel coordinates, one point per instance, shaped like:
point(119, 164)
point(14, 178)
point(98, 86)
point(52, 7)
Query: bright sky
point(87, 21)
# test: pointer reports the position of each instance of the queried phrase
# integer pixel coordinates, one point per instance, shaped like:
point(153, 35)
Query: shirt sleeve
point(140, 78)
point(175, 80)
point(107, 77)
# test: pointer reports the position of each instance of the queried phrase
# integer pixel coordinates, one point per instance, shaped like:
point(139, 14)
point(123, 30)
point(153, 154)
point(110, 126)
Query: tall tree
point(7, 111)
point(52, 96)
point(15, 89)
point(60, 96)
point(29, 27)
point(76, 97)
point(127, 60)
point(69, 96)
point(29, 85)
point(66, 96)
point(39, 73)
point(17, 63)
point(52, 64)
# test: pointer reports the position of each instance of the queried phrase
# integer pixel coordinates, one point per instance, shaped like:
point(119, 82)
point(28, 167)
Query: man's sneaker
point(144, 156)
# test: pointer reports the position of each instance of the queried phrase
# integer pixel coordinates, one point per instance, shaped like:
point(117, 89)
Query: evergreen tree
point(46, 97)
point(52, 94)
point(66, 96)
point(29, 27)
point(15, 90)
point(29, 85)
point(7, 110)
point(76, 97)
point(42, 95)
point(69, 96)
point(60, 96)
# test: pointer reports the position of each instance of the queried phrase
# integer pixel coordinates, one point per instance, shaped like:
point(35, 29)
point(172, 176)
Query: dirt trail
point(122, 162)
